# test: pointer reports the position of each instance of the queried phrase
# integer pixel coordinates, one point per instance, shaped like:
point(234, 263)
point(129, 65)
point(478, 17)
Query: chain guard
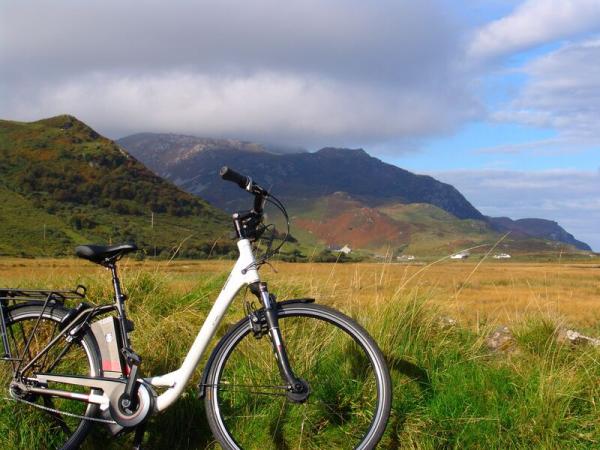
point(114, 389)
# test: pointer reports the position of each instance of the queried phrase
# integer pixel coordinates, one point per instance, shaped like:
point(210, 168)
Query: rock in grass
point(501, 339)
point(576, 338)
point(446, 322)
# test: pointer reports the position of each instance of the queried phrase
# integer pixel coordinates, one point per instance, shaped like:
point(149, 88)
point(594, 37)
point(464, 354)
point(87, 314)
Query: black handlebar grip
point(231, 175)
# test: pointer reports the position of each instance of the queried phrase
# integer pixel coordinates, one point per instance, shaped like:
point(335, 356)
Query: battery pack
point(106, 332)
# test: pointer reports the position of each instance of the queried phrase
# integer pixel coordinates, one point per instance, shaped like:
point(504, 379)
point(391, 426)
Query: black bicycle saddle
point(100, 254)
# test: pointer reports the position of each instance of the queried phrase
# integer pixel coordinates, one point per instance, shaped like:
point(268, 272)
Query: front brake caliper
point(258, 322)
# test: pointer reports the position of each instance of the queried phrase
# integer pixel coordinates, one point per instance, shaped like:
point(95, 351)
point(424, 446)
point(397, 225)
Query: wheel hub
point(299, 392)
point(19, 392)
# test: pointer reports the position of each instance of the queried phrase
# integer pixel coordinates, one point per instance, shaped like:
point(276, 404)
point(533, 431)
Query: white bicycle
point(289, 374)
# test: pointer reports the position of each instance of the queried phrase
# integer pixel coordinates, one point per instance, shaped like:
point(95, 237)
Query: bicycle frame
point(243, 274)
point(117, 392)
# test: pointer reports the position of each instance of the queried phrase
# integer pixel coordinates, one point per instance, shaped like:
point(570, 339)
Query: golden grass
point(493, 291)
point(450, 391)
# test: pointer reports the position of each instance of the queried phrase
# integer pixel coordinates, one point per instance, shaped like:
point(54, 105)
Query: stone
point(501, 339)
point(447, 322)
point(576, 338)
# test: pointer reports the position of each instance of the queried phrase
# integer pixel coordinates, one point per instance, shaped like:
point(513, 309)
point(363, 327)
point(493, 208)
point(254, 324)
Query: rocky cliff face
point(193, 164)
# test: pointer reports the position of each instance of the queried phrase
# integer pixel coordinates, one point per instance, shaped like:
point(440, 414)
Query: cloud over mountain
point(306, 72)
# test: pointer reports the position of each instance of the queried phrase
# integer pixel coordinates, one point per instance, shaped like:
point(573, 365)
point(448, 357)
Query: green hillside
point(434, 231)
point(62, 184)
point(392, 229)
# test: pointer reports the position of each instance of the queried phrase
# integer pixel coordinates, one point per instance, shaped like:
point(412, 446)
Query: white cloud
point(562, 93)
point(570, 197)
point(306, 71)
point(535, 22)
point(285, 107)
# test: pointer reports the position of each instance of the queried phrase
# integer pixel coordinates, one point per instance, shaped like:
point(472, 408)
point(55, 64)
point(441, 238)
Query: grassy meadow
point(450, 389)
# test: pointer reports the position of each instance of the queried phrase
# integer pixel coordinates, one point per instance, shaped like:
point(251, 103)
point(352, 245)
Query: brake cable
point(269, 252)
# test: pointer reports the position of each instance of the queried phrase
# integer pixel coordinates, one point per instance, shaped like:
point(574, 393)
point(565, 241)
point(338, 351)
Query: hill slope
point(192, 165)
point(540, 228)
point(63, 184)
point(421, 228)
point(339, 196)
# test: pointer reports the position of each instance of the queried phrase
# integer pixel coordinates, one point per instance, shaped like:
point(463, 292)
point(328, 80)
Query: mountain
point(62, 184)
point(416, 228)
point(538, 228)
point(340, 196)
point(192, 164)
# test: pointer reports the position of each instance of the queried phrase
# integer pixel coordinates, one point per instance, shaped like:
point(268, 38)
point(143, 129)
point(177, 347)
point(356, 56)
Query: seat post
point(112, 266)
point(132, 359)
point(120, 303)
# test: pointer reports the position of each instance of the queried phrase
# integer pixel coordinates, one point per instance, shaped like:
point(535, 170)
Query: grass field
point(493, 291)
point(450, 390)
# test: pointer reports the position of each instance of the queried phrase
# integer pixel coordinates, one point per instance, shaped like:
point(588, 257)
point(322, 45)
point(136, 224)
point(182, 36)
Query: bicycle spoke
point(57, 417)
point(343, 407)
point(59, 357)
point(59, 420)
point(248, 388)
point(45, 357)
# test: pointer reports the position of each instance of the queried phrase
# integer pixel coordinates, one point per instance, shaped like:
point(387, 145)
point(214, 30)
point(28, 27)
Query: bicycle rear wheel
point(350, 388)
point(23, 425)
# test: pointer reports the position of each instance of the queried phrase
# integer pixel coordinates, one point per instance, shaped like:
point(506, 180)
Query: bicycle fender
point(211, 358)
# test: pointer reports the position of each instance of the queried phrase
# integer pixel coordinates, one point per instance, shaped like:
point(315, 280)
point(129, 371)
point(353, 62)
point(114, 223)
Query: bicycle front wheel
point(350, 389)
point(38, 421)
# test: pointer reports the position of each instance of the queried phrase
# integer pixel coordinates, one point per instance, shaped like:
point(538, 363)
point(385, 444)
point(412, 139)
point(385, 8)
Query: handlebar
point(248, 224)
point(231, 175)
point(243, 181)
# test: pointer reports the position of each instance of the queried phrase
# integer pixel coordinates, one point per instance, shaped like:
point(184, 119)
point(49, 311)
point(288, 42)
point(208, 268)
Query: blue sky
point(499, 97)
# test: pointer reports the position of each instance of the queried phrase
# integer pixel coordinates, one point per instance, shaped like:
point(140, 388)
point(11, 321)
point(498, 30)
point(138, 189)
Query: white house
point(345, 250)
point(502, 256)
point(461, 255)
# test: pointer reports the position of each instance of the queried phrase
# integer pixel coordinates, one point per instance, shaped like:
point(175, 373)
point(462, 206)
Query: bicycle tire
point(24, 426)
point(351, 392)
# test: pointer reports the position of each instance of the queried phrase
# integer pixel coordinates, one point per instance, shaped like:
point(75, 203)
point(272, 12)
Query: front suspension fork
point(299, 388)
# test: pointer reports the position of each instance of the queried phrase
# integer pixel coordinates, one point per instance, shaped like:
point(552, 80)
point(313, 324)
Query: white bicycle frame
point(243, 273)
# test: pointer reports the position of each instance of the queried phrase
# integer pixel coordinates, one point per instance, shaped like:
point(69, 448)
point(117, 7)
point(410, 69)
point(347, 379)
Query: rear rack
point(45, 295)
point(10, 297)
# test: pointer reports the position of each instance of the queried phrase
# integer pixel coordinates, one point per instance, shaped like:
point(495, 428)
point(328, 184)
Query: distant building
point(461, 255)
point(502, 256)
point(346, 250)
point(405, 258)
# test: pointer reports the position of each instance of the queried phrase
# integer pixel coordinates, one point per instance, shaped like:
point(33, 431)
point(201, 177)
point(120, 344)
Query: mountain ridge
point(305, 176)
point(533, 227)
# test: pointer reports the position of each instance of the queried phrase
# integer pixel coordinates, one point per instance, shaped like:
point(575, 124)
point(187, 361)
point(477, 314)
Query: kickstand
point(139, 436)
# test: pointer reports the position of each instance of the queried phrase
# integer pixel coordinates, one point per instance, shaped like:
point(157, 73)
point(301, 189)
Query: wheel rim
point(251, 404)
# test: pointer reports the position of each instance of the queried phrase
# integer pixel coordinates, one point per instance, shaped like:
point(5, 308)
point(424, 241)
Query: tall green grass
point(450, 390)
